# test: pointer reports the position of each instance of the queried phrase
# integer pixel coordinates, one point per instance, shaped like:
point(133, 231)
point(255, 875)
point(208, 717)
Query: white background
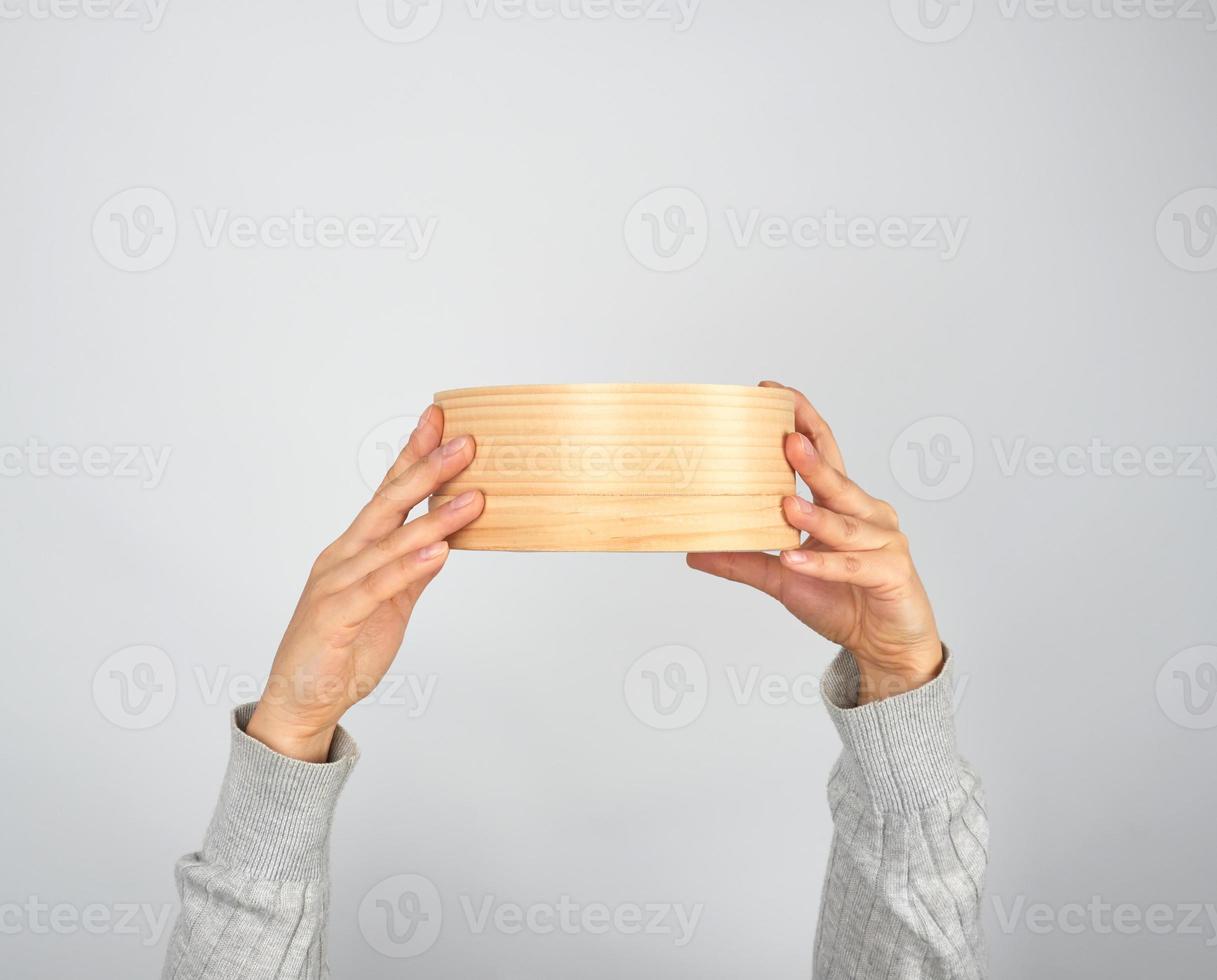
point(1069, 315)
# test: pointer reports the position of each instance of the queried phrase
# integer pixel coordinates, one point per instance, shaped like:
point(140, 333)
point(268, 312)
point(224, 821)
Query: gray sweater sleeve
point(901, 899)
point(254, 899)
point(902, 896)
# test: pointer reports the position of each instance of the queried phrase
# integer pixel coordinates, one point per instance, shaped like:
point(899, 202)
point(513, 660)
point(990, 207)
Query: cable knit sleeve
point(254, 899)
point(902, 896)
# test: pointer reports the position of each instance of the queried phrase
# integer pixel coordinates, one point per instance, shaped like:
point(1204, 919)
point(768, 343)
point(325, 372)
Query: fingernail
point(426, 416)
point(464, 500)
point(803, 505)
point(431, 551)
point(454, 446)
point(808, 448)
point(795, 557)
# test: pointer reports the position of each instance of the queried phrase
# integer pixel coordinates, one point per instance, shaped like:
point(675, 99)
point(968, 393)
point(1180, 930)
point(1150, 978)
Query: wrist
point(289, 737)
point(879, 681)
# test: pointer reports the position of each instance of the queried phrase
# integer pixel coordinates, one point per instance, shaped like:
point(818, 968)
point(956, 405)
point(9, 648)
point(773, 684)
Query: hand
point(852, 580)
point(349, 623)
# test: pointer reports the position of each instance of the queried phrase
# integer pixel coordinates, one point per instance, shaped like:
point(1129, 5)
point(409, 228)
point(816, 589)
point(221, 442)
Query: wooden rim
point(579, 522)
point(598, 389)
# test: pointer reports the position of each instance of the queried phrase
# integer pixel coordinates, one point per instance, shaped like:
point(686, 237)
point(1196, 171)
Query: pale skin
point(852, 581)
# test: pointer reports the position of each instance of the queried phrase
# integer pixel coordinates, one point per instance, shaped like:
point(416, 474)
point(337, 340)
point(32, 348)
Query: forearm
point(902, 896)
point(254, 898)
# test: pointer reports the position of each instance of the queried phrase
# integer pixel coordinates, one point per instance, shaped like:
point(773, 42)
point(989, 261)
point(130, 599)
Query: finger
point(866, 569)
point(757, 569)
point(360, 599)
point(837, 531)
point(809, 422)
point(833, 489)
point(423, 440)
point(407, 597)
point(394, 500)
point(419, 444)
point(418, 533)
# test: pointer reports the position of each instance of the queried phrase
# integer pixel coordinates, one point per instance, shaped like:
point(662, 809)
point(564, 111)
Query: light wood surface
point(623, 467)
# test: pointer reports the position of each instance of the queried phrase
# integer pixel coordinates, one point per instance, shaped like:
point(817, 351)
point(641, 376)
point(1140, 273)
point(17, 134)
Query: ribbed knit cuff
point(274, 815)
point(901, 749)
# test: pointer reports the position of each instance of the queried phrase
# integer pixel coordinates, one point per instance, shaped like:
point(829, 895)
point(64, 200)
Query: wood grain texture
point(624, 467)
